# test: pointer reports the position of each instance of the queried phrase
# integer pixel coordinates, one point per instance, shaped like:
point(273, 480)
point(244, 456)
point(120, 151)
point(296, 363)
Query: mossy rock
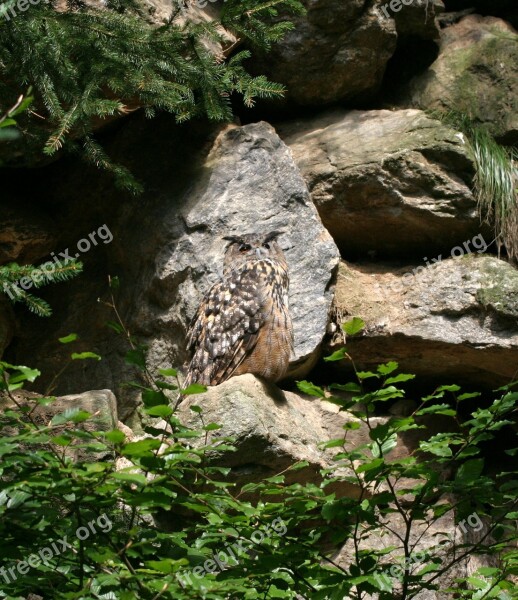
point(476, 73)
point(500, 288)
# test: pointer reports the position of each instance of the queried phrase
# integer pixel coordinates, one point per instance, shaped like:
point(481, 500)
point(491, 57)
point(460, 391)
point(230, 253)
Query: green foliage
point(14, 278)
point(496, 180)
point(89, 65)
point(8, 123)
point(160, 521)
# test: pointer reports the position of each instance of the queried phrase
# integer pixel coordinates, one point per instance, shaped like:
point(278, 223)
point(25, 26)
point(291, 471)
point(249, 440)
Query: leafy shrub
point(58, 476)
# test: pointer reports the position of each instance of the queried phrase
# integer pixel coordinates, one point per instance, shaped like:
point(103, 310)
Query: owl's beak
point(261, 252)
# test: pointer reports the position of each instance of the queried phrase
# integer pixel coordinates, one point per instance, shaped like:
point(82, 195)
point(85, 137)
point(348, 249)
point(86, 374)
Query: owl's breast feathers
point(243, 326)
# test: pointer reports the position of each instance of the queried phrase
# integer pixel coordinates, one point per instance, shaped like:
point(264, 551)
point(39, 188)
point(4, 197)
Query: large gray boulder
point(248, 183)
point(273, 429)
point(337, 51)
point(388, 183)
point(476, 73)
point(454, 321)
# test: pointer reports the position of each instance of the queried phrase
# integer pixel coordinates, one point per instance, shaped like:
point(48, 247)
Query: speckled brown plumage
point(243, 324)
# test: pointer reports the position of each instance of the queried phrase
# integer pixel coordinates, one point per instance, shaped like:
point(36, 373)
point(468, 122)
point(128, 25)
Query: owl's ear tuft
point(273, 235)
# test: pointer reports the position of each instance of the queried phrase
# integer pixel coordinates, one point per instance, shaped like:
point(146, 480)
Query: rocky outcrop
point(26, 235)
point(168, 254)
point(386, 183)
point(273, 429)
point(418, 19)
point(101, 405)
point(476, 73)
point(337, 51)
point(248, 183)
point(453, 321)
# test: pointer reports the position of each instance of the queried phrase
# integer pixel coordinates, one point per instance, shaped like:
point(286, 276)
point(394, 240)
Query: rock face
point(386, 183)
point(337, 51)
point(455, 321)
point(249, 183)
point(476, 73)
point(273, 430)
point(168, 250)
point(25, 235)
point(101, 404)
point(417, 19)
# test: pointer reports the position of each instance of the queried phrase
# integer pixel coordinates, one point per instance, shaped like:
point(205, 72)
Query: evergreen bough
point(12, 275)
point(87, 64)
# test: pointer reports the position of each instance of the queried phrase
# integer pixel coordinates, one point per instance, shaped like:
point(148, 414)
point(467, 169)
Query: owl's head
point(252, 246)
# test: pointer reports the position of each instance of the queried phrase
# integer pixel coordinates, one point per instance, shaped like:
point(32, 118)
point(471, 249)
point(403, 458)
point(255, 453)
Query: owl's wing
point(225, 328)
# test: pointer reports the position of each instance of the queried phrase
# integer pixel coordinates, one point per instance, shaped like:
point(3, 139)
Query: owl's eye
point(266, 245)
point(244, 248)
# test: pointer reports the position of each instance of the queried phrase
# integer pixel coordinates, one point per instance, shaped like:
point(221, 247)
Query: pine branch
point(89, 64)
point(12, 283)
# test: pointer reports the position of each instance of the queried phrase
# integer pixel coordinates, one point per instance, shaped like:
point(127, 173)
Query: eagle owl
point(243, 324)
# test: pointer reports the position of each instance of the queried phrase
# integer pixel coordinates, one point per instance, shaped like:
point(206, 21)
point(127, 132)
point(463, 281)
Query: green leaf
point(306, 387)
point(346, 387)
point(386, 446)
point(487, 571)
point(161, 410)
point(388, 368)
point(437, 447)
point(116, 436)
point(194, 388)
point(85, 355)
point(366, 375)
point(137, 357)
point(354, 326)
point(136, 478)
point(470, 471)
point(468, 396)
point(352, 425)
point(140, 448)
point(168, 372)
point(152, 398)
point(399, 378)
point(437, 409)
point(448, 388)
point(61, 440)
point(212, 427)
point(72, 337)
point(337, 355)
point(117, 327)
point(24, 374)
